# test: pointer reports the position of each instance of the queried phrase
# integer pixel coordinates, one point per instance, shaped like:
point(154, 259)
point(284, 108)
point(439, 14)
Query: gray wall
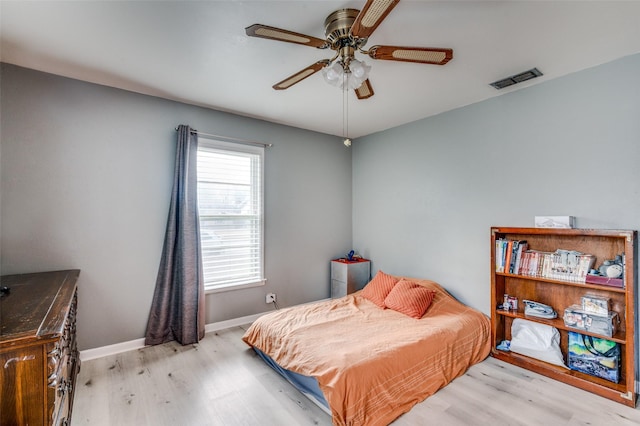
point(86, 174)
point(425, 194)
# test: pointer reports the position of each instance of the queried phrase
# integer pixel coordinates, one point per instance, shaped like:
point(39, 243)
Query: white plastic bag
point(536, 340)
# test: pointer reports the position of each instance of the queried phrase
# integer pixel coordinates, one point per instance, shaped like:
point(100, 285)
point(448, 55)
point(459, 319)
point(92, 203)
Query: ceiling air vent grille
point(518, 78)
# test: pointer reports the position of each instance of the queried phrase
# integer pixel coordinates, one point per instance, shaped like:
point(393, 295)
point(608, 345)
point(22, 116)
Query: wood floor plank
point(221, 381)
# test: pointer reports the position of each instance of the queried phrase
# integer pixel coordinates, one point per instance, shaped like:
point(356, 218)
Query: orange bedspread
point(371, 364)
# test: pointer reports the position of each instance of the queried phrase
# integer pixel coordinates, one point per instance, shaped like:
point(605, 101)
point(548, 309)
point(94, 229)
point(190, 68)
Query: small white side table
point(348, 276)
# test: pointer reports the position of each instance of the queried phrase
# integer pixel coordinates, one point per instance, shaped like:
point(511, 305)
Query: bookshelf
point(562, 293)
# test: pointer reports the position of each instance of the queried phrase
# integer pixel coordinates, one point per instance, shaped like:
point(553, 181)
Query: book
point(524, 267)
point(507, 258)
point(585, 263)
point(499, 250)
point(514, 255)
point(561, 265)
point(522, 247)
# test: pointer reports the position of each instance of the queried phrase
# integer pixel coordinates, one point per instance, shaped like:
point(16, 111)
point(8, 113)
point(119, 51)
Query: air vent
point(518, 78)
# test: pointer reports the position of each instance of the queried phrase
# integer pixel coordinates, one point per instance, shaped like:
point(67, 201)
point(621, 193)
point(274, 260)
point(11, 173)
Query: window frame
point(213, 144)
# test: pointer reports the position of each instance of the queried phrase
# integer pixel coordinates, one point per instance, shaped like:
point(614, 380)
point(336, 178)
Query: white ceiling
point(198, 53)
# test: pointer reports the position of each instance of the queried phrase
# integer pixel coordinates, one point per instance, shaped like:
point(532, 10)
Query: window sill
point(232, 287)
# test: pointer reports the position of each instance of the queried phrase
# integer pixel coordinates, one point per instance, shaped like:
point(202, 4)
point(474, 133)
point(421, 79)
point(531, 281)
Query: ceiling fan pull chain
point(345, 107)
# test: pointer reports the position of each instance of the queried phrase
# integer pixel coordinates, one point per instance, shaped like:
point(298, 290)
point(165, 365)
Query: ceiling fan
point(347, 31)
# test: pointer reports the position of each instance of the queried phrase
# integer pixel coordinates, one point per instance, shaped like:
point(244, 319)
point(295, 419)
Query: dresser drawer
point(38, 348)
point(22, 398)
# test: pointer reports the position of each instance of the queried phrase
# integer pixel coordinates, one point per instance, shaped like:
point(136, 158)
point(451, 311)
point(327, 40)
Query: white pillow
point(536, 340)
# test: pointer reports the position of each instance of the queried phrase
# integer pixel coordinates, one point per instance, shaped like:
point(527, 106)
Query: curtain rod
point(230, 139)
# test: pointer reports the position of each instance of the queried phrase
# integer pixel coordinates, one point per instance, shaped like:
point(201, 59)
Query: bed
point(368, 363)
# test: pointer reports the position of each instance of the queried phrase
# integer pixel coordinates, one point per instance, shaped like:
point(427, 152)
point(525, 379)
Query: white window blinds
point(230, 204)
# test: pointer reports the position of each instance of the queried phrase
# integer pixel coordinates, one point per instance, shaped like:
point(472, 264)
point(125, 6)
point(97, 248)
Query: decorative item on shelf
point(504, 345)
point(612, 268)
point(576, 317)
point(351, 257)
point(539, 310)
point(595, 305)
point(610, 273)
point(594, 356)
point(510, 303)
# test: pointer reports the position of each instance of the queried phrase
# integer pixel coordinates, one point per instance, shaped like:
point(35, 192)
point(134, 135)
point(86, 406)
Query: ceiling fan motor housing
point(337, 28)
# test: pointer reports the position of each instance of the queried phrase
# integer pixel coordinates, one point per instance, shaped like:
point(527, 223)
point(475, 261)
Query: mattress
point(373, 364)
point(307, 385)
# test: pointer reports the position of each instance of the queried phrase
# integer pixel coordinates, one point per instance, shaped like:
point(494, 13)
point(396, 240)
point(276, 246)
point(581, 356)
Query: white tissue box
point(555, 221)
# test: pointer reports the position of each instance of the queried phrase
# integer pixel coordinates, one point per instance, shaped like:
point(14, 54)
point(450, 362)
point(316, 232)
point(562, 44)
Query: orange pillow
point(409, 298)
point(378, 288)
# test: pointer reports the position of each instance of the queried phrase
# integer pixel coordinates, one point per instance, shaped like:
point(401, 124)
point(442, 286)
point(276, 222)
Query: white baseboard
point(117, 348)
point(131, 345)
point(221, 325)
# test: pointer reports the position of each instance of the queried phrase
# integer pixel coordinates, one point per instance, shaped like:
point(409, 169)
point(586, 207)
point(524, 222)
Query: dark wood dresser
point(39, 358)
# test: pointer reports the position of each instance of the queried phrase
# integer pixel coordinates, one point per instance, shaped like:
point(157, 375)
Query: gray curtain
point(177, 310)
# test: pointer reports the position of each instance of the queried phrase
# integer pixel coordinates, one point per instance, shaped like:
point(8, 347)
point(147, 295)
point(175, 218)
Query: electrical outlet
point(270, 298)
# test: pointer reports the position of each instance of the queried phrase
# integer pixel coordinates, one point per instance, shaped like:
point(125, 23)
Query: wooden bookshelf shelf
point(569, 283)
point(619, 336)
point(560, 294)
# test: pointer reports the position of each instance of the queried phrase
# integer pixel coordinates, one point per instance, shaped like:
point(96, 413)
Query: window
point(230, 205)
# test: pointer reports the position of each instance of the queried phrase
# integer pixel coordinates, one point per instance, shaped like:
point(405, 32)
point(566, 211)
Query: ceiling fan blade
point(371, 15)
point(301, 75)
point(273, 33)
point(365, 90)
point(422, 55)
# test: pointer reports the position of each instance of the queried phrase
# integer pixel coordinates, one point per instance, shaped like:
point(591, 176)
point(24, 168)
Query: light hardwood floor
point(221, 381)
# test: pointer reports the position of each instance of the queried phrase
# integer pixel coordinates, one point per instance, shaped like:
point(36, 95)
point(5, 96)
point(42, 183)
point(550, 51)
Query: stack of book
point(509, 255)
point(514, 257)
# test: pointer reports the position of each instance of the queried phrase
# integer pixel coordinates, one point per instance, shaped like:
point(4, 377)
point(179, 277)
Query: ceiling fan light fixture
point(333, 74)
point(360, 70)
point(352, 78)
point(359, 73)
